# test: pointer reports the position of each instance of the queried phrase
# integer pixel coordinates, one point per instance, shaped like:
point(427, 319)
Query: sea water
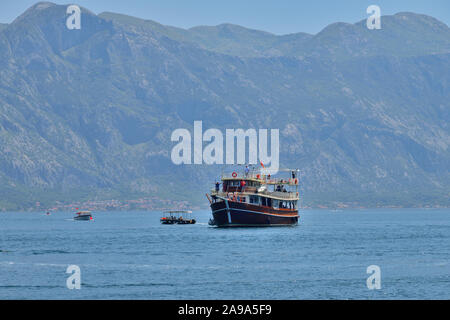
point(130, 255)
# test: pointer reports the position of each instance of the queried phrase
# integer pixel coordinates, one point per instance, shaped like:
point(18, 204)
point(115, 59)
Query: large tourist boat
point(254, 199)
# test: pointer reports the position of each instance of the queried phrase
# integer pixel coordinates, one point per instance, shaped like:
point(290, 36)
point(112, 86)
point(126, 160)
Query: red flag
point(262, 165)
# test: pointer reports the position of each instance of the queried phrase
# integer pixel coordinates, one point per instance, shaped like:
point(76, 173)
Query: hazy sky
point(276, 16)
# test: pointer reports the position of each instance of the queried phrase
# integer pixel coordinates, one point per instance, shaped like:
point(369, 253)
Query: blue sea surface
point(130, 255)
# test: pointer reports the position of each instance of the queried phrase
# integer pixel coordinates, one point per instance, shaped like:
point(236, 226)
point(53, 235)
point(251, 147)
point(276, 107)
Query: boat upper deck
point(253, 182)
point(256, 176)
point(284, 196)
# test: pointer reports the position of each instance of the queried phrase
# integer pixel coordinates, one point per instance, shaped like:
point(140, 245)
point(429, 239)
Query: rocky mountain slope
point(88, 113)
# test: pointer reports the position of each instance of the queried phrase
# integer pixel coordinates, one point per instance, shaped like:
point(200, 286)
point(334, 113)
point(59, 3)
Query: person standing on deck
point(242, 185)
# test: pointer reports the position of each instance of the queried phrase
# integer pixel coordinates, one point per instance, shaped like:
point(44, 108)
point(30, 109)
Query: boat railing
point(288, 195)
point(282, 195)
point(264, 180)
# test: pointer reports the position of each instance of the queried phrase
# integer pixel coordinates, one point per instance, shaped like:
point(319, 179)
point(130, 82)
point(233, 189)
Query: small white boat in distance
point(83, 215)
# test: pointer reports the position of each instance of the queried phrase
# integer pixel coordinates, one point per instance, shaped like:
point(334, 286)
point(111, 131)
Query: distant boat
point(83, 215)
point(177, 217)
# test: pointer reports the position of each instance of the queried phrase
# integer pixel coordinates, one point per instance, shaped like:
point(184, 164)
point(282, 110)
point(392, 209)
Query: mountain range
point(88, 114)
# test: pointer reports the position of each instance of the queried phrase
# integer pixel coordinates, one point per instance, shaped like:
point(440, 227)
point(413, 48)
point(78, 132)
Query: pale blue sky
point(276, 16)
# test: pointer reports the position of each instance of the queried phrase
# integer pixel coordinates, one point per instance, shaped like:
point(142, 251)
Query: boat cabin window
point(254, 199)
point(276, 204)
point(279, 204)
point(286, 204)
point(252, 184)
